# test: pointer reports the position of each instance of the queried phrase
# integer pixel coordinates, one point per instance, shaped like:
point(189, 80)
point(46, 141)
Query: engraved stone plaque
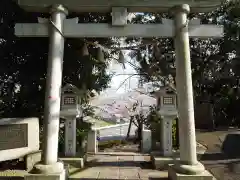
point(13, 136)
point(18, 137)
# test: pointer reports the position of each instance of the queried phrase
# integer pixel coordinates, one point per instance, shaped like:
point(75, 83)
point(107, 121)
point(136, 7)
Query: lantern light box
point(167, 101)
point(70, 101)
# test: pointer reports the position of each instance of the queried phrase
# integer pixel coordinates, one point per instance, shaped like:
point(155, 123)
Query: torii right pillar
point(188, 167)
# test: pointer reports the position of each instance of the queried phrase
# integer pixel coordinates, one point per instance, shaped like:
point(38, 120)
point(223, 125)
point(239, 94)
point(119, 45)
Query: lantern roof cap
point(70, 88)
point(166, 90)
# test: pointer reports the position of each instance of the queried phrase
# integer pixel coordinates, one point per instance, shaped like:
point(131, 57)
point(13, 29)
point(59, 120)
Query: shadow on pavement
point(142, 165)
point(213, 156)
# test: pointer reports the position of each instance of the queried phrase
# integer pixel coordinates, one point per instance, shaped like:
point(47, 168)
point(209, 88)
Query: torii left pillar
point(50, 167)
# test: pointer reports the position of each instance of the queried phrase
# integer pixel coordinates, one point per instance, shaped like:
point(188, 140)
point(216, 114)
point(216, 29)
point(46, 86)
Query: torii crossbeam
point(131, 5)
point(71, 29)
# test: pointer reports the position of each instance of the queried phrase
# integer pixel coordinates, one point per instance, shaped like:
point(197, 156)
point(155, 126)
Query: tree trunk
point(139, 138)
point(129, 128)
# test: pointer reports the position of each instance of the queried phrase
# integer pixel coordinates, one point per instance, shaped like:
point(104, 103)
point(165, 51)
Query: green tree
point(24, 63)
point(215, 62)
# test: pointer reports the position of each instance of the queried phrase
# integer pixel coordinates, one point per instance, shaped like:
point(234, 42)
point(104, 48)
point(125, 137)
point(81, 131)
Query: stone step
point(120, 153)
point(113, 173)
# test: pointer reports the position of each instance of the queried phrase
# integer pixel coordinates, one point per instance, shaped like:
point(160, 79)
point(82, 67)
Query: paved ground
point(132, 165)
point(119, 166)
point(218, 163)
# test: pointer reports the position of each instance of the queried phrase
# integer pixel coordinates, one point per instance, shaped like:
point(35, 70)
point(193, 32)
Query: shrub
point(82, 132)
point(110, 144)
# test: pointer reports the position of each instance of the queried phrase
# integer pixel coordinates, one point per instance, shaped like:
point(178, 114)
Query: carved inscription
point(13, 136)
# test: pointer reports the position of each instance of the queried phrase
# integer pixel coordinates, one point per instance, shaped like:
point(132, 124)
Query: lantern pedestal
point(166, 135)
point(70, 137)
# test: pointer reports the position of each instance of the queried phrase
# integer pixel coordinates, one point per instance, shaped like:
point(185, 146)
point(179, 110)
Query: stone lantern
point(70, 111)
point(167, 106)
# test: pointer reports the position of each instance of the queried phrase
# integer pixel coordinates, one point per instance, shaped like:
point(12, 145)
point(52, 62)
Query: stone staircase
point(120, 166)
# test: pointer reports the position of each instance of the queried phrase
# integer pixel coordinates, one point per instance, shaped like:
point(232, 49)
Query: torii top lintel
point(131, 5)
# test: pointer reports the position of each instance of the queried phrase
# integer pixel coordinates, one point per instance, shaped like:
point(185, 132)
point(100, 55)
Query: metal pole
point(53, 85)
point(188, 154)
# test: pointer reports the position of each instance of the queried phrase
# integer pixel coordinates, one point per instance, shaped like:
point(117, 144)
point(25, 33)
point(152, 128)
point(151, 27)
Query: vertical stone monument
point(92, 141)
point(146, 140)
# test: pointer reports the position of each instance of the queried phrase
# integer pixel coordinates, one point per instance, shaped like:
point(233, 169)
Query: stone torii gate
point(60, 27)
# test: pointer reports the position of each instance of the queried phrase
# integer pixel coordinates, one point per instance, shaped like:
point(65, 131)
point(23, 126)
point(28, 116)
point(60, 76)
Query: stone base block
point(35, 157)
point(59, 176)
point(32, 158)
point(173, 175)
point(161, 162)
